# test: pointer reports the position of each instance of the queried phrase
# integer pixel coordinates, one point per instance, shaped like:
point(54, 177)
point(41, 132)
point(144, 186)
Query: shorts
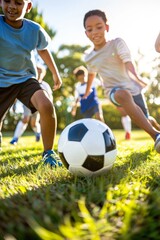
point(138, 99)
point(92, 111)
point(22, 91)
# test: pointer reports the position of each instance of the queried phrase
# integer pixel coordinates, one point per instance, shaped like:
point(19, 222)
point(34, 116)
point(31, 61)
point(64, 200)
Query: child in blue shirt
point(19, 38)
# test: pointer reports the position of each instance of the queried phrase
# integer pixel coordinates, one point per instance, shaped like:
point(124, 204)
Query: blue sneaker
point(14, 141)
point(157, 143)
point(38, 136)
point(50, 157)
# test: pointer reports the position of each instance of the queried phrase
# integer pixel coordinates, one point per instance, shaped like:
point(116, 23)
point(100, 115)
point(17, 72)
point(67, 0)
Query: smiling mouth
point(96, 39)
point(11, 14)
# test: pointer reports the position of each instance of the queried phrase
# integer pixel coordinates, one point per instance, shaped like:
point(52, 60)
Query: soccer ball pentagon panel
point(87, 147)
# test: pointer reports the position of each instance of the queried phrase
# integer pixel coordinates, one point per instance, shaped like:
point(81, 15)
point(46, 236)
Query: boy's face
point(95, 31)
point(81, 78)
point(15, 10)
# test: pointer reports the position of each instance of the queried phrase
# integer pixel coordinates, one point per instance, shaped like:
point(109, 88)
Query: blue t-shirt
point(17, 51)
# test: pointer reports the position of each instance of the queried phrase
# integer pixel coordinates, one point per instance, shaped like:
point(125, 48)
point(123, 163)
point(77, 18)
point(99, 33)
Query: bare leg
point(48, 118)
point(99, 115)
point(125, 99)
point(154, 123)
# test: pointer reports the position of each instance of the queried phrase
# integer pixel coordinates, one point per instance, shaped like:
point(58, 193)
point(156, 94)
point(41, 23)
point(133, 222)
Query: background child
point(19, 38)
point(112, 61)
point(90, 106)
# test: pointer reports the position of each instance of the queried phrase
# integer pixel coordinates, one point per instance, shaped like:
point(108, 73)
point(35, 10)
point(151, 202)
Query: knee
point(47, 108)
point(25, 119)
point(122, 96)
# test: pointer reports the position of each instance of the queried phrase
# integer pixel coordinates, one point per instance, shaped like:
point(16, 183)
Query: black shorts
point(22, 91)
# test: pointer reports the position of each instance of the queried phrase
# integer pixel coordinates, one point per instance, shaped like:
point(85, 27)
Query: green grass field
point(37, 202)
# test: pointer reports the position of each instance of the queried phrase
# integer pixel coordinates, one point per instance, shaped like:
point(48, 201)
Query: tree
point(37, 16)
point(67, 58)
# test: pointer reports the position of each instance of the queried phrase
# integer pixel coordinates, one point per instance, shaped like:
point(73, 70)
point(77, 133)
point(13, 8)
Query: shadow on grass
point(58, 196)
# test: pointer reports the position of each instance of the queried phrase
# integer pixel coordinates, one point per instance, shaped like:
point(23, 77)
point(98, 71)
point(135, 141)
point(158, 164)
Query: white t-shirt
point(109, 63)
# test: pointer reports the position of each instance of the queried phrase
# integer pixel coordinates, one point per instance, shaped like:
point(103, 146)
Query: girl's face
point(14, 11)
point(95, 31)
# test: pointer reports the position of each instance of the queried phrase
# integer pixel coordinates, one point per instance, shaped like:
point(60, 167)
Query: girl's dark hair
point(95, 13)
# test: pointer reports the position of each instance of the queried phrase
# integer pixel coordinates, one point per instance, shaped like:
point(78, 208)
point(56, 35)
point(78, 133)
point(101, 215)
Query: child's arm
point(48, 59)
point(132, 73)
point(157, 44)
point(91, 77)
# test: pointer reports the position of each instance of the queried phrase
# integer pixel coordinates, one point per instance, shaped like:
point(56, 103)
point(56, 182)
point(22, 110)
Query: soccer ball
point(87, 147)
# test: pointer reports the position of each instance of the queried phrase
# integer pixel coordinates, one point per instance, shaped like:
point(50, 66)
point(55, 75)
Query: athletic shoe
point(38, 136)
point(157, 143)
point(128, 136)
point(14, 141)
point(51, 158)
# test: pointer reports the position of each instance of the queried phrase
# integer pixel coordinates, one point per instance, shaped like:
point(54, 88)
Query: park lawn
point(37, 202)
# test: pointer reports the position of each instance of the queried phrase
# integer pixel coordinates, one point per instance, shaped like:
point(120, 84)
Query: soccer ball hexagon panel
point(87, 147)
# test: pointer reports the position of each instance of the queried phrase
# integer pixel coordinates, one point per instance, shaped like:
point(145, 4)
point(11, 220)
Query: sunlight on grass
point(37, 202)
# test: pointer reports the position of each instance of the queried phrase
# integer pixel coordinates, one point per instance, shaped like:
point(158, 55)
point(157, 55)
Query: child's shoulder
point(31, 23)
point(117, 40)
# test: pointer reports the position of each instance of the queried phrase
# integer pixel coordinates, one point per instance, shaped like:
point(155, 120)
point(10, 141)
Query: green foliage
point(36, 16)
point(37, 202)
point(67, 58)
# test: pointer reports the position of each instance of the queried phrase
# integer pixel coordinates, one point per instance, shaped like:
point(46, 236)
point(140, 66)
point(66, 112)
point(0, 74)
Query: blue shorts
point(138, 99)
point(92, 111)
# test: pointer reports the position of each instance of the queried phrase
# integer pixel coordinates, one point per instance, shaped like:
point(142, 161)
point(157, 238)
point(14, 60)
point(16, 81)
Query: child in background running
point(90, 107)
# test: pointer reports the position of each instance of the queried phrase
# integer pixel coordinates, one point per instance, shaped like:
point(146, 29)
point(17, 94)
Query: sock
point(37, 128)
point(126, 123)
point(20, 128)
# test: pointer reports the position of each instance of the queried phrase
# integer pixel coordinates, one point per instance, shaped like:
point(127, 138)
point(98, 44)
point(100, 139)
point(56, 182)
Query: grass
point(39, 203)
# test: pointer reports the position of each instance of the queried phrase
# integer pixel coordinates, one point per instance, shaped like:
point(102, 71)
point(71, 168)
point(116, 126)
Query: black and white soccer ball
point(87, 147)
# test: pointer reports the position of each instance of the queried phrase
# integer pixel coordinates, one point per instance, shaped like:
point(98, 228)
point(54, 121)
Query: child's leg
point(126, 122)
point(48, 118)
point(154, 123)
point(124, 98)
point(20, 128)
point(99, 114)
point(35, 125)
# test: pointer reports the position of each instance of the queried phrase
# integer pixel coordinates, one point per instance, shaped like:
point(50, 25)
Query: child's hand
point(57, 83)
point(87, 94)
